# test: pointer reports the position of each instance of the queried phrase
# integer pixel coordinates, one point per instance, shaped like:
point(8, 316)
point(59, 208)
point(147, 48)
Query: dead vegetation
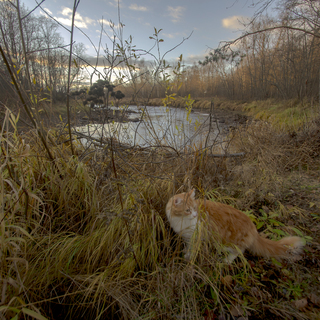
point(86, 236)
point(83, 233)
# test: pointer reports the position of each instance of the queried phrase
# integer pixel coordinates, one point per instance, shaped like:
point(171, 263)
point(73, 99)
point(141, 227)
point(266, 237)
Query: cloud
point(47, 10)
point(187, 60)
point(176, 13)
point(235, 22)
point(169, 35)
point(104, 22)
point(108, 23)
point(193, 58)
point(44, 14)
point(173, 35)
point(66, 11)
point(79, 21)
point(115, 3)
point(135, 7)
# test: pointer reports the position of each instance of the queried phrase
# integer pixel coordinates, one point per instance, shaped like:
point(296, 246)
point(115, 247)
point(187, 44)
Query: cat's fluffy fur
point(229, 225)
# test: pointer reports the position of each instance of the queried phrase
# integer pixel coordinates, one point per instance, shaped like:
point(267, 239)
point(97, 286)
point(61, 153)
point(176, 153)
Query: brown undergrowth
point(86, 236)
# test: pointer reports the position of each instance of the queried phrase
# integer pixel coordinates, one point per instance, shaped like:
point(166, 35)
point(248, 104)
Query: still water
point(157, 126)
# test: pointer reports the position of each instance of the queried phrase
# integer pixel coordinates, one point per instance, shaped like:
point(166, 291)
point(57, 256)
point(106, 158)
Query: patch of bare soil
point(229, 118)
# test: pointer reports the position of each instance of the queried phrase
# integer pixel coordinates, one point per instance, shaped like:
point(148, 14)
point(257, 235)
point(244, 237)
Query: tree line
point(276, 57)
point(46, 53)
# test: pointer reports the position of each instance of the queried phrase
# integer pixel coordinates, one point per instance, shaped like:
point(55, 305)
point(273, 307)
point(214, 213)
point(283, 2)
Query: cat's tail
point(287, 247)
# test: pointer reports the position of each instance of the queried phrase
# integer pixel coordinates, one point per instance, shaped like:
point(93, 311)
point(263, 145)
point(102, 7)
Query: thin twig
point(75, 5)
point(26, 107)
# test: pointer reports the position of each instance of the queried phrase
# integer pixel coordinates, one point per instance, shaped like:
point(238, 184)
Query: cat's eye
point(188, 211)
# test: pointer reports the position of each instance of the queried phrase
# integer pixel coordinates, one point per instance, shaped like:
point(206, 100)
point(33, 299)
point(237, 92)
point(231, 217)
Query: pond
point(175, 127)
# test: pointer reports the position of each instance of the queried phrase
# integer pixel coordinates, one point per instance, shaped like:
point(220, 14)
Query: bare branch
point(247, 34)
point(33, 9)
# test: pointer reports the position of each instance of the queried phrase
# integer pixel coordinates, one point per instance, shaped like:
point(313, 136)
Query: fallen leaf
point(236, 311)
point(300, 304)
point(286, 272)
point(314, 299)
point(265, 209)
point(227, 280)
point(311, 204)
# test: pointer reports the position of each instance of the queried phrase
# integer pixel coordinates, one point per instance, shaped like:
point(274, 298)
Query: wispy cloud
point(169, 35)
point(116, 3)
point(176, 13)
point(135, 7)
point(110, 24)
point(172, 35)
point(105, 22)
point(194, 58)
point(79, 21)
point(234, 22)
point(47, 10)
point(44, 13)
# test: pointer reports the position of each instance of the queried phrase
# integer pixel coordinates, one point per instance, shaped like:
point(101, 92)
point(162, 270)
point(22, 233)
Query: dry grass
point(289, 115)
point(87, 237)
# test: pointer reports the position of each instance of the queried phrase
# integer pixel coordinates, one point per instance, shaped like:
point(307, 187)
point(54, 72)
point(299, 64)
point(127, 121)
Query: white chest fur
point(183, 225)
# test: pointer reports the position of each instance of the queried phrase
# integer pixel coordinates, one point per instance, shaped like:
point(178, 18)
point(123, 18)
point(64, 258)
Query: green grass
point(288, 115)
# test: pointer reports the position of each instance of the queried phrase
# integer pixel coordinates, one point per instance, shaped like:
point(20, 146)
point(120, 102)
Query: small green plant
point(300, 234)
point(189, 103)
point(292, 288)
point(268, 222)
point(315, 216)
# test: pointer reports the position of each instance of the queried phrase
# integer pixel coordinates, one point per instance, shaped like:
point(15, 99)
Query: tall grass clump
point(272, 157)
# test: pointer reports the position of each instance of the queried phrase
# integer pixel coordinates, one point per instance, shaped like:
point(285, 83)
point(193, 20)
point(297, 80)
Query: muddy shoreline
point(105, 115)
point(227, 119)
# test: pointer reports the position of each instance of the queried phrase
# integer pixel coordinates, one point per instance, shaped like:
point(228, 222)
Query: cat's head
point(183, 205)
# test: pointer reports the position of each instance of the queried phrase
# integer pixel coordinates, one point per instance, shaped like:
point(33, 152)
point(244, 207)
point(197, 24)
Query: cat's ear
point(192, 194)
point(177, 201)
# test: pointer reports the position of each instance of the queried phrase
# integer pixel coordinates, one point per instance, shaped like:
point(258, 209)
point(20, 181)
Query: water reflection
point(159, 126)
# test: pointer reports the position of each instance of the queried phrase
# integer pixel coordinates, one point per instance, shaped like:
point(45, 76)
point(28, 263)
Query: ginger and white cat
point(229, 226)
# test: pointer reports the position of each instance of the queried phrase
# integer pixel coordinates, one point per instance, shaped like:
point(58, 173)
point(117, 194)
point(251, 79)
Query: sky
point(207, 21)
